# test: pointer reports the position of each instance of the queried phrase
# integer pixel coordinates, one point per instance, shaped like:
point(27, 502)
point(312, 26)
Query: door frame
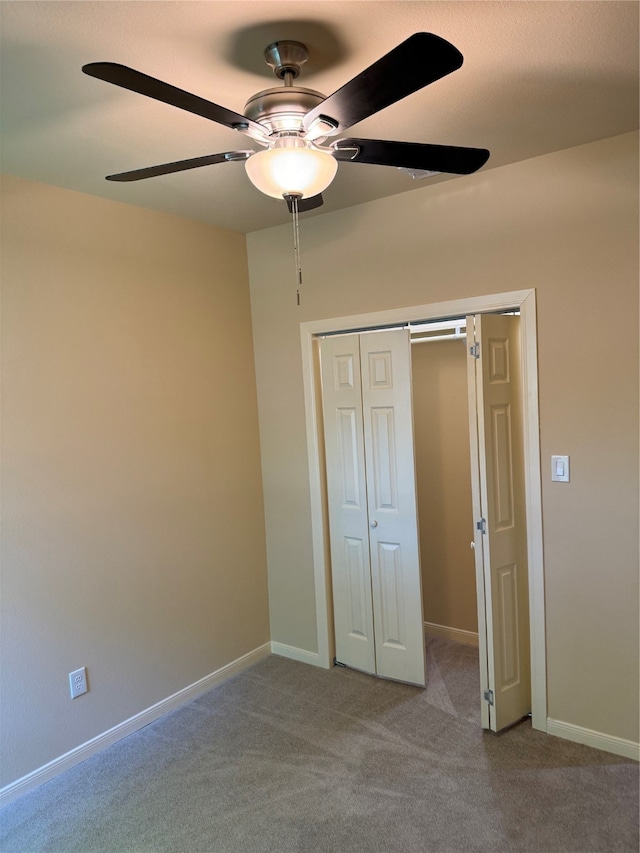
point(525, 302)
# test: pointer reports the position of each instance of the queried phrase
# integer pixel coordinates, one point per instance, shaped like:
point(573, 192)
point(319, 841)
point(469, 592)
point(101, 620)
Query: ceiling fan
point(294, 125)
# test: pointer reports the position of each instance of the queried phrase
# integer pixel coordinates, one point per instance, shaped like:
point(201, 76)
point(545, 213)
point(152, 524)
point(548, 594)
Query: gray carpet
point(287, 757)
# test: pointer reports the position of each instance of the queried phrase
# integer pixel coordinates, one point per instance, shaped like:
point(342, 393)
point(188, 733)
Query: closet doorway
point(443, 481)
point(524, 301)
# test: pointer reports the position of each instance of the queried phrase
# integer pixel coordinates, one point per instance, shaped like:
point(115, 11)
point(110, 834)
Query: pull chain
point(294, 199)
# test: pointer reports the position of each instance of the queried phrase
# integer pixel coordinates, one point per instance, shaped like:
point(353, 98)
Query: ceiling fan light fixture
point(291, 167)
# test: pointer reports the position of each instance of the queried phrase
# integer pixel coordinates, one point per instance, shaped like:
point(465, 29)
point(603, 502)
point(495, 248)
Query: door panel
point(347, 498)
point(395, 560)
point(390, 581)
point(347, 436)
point(508, 612)
point(357, 569)
point(501, 552)
point(502, 468)
point(384, 468)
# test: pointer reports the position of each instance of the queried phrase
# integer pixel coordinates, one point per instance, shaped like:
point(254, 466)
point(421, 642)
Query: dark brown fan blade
point(135, 81)
point(412, 155)
point(179, 166)
point(305, 204)
point(415, 63)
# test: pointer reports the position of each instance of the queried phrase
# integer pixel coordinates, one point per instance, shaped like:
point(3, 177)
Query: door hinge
point(488, 696)
point(474, 350)
point(481, 525)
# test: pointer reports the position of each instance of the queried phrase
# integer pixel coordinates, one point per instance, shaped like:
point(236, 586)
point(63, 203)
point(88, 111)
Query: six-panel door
point(501, 551)
point(366, 388)
point(391, 491)
point(347, 499)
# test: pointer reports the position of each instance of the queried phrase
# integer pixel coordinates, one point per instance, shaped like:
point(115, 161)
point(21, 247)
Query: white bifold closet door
point(375, 563)
point(499, 507)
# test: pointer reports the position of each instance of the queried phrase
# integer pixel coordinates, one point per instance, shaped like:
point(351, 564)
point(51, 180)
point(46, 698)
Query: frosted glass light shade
point(279, 171)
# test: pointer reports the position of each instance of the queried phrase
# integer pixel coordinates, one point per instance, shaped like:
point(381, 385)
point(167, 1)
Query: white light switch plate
point(560, 469)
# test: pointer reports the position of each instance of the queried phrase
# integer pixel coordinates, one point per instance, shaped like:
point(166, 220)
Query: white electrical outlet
point(78, 682)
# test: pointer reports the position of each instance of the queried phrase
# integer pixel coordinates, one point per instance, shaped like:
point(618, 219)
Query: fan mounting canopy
point(286, 58)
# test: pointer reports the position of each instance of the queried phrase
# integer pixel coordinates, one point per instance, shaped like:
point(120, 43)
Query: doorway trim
point(525, 302)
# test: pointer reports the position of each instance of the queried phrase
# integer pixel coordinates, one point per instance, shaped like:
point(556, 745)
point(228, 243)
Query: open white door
point(347, 498)
point(368, 427)
point(495, 406)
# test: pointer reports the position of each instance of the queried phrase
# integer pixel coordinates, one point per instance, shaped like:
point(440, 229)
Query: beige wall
point(565, 224)
point(443, 480)
point(133, 533)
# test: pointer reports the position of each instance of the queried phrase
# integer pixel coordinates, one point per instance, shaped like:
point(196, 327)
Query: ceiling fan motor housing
point(282, 109)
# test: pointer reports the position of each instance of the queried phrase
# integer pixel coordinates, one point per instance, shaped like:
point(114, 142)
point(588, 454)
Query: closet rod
point(438, 338)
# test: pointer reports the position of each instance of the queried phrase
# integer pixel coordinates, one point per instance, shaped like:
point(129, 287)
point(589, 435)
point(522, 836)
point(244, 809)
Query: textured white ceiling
point(537, 77)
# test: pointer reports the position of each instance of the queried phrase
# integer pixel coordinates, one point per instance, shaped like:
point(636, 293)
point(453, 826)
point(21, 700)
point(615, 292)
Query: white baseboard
point(608, 743)
point(294, 653)
point(470, 638)
point(133, 724)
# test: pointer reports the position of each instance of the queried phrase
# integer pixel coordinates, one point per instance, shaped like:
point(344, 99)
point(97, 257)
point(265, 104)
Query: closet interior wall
point(441, 427)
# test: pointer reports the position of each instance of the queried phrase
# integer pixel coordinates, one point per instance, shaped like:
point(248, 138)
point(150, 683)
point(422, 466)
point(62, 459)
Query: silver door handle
point(374, 523)
point(472, 545)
